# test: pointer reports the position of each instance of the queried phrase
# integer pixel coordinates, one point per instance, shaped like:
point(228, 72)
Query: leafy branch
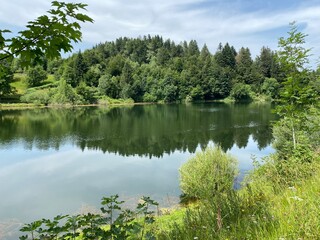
point(113, 223)
point(46, 36)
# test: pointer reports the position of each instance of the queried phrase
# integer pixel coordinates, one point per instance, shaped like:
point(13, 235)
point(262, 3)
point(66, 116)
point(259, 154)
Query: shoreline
point(16, 106)
point(21, 106)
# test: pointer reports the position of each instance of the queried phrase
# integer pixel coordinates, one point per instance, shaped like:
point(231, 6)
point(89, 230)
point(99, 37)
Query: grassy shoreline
point(113, 102)
point(10, 106)
point(291, 213)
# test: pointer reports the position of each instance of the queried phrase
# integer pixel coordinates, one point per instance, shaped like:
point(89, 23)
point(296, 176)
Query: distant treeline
point(151, 69)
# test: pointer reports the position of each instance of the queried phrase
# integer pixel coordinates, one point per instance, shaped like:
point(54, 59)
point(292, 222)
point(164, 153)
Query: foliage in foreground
point(43, 39)
point(278, 200)
point(221, 211)
point(113, 223)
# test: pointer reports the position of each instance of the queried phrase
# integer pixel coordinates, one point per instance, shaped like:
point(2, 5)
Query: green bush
point(148, 97)
point(105, 100)
point(271, 87)
point(36, 97)
point(297, 135)
point(222, 212)
point(207, 174)
point(241, 92)
point(66, 95)
point(196, 93)
point(89, 94)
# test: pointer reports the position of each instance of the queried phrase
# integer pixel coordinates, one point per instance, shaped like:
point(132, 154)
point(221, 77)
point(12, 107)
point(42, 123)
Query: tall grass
point(271, 204)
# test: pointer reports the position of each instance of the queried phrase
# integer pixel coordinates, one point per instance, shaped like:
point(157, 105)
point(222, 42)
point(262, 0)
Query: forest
point(148, 69)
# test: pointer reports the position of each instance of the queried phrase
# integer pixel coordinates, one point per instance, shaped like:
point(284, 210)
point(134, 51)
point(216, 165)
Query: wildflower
point(195, 238)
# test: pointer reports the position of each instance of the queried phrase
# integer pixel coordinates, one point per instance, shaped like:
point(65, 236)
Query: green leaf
point(83, 17)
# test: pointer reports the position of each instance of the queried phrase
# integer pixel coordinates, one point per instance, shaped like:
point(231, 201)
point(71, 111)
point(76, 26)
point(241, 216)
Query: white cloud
point(208, 22)
point(19, 12)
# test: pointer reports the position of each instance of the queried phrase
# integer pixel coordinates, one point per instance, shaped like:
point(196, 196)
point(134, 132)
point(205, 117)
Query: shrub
point(271, 87)
point(66, 95)
point(105, 100)
point(297, 135)
point(241, 92)
point(36, 97)
point(89, 94)
point(148, 97)
point(196, 93)
point(207, 174)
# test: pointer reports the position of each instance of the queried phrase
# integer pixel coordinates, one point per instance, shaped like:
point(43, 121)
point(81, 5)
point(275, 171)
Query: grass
point(263, 209)
point(297, 208)
point(20, 83)
point(50, 79)
point(19, 105)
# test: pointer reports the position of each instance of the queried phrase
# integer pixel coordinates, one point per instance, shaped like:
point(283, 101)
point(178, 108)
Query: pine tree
point(244, 66)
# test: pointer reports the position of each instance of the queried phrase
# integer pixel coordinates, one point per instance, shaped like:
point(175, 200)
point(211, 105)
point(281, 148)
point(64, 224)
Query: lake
point(63, 161)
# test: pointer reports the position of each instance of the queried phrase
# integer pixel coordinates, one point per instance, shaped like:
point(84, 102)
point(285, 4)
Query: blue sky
point(248, 23)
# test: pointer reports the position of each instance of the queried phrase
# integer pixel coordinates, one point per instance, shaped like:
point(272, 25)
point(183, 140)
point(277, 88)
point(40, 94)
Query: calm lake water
point(62, 161)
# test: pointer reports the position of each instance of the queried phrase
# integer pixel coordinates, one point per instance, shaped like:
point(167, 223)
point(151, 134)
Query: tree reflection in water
point(148, 130)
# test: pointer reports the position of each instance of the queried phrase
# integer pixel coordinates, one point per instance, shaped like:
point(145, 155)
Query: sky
point(241, 23)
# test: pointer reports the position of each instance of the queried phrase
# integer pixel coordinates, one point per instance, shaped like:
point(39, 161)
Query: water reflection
point(150, 130)
point(55, 180)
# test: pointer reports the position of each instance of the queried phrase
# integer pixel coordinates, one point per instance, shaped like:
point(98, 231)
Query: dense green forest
point(149, 69)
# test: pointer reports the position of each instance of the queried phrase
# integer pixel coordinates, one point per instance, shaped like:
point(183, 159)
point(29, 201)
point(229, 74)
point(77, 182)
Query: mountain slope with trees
point(151, 69)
